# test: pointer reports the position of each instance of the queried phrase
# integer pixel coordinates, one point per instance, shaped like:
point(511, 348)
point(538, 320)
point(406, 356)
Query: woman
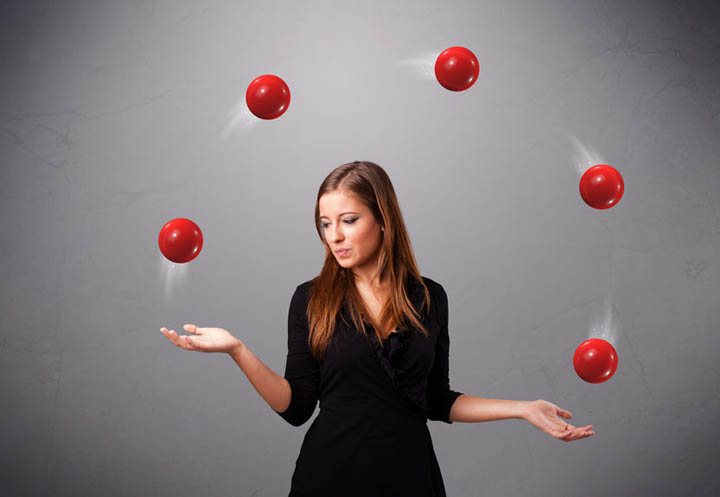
point(368, 338)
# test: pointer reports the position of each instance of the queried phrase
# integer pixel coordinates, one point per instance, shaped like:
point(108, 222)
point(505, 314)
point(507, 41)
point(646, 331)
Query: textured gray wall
point(118, 116)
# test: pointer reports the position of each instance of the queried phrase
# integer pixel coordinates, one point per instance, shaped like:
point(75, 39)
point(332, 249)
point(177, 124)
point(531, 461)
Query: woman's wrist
point(525, 408)
point(237, 350)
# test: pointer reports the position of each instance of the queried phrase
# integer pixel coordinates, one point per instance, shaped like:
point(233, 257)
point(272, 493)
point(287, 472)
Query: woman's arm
point(543, 415)
point(450, 405)
point(271, 386)
point(440, 396)
point(471, 409)
point(295, 395)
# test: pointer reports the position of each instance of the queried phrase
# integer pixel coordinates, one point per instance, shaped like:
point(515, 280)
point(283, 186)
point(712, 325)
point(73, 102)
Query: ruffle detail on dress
point(388, 356)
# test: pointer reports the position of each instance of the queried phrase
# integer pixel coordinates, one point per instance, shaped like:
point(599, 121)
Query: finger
point(184, 342)
point(188, 342)
point(563, 435)
point(584, 435)
point(168, 334)
point(567, 436)
point(191, 328)
point(176, 338)
point(564, 413)
point(196, 343)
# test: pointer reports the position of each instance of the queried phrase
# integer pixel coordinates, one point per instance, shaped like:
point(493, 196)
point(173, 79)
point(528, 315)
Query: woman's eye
point(348, 221)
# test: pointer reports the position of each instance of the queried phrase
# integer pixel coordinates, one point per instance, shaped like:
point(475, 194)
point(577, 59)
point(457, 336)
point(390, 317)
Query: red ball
point(457, 68)
point(595, 360)
point(601, 186)
point(267, 96)
point(180, 240)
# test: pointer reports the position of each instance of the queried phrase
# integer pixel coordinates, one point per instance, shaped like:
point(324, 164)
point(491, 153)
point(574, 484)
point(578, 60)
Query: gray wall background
point(116, 117)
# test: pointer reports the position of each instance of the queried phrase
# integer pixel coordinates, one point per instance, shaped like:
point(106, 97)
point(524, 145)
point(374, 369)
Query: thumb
point(191, 328)
point(564, 413)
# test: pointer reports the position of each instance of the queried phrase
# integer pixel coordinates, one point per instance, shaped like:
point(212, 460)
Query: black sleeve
point(301, 369)
point(440, 396)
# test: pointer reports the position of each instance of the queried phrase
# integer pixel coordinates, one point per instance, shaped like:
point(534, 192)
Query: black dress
point(371, 436)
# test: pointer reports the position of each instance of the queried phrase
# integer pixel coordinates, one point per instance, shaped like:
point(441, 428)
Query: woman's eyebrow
point(349, 212)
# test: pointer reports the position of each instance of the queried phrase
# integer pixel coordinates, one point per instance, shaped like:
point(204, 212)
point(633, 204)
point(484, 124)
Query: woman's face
point(348, 224)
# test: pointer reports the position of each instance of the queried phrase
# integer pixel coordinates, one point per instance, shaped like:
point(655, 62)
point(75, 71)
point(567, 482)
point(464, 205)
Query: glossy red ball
point(457, 68)
point(180, 240)
point(267, 97)
point(602, 186)
point(595, 360)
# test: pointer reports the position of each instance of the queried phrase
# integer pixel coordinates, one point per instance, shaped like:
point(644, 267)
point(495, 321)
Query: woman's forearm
point(471, 409)
point(272, 387)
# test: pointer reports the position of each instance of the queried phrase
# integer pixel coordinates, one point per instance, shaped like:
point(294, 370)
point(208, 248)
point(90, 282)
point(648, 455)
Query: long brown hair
point(335, 285)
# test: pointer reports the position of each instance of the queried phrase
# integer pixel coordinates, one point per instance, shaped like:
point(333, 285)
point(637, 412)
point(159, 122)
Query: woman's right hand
point(204, 339)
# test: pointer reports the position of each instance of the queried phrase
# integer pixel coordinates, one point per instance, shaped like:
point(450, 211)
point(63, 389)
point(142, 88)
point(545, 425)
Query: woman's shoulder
point(435, 288)
point(303, 289)
point(300, 299)
point(306, 285)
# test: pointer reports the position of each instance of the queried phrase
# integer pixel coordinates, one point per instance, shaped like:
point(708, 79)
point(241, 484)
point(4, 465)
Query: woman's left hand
point(544, 416)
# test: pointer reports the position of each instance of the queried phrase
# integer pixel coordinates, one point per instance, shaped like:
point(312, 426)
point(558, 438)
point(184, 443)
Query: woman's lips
point(342, 252)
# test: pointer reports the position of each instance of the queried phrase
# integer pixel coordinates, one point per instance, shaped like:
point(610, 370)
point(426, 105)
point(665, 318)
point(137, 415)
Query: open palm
point(544, 416)
point(203, 339)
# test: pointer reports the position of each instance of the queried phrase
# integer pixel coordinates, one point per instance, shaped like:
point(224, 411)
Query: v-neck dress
point(370, 436)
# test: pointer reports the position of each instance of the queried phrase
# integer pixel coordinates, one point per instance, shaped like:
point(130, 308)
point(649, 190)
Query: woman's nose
point(337, 234)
